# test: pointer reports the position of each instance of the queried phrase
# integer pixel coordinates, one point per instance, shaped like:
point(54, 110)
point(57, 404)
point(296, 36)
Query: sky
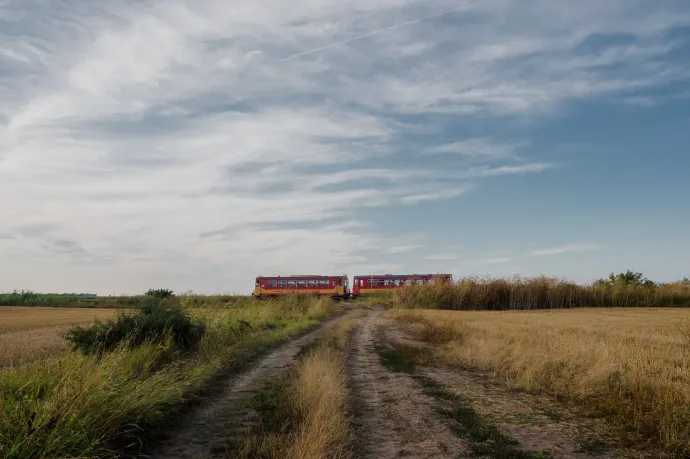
point(194, 145)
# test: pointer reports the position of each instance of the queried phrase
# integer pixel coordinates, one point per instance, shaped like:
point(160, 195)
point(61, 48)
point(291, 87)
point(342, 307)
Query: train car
point(373, 283)
point(336, 287)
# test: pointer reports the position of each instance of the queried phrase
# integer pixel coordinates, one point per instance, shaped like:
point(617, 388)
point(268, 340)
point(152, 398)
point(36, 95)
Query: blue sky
point(196, 144)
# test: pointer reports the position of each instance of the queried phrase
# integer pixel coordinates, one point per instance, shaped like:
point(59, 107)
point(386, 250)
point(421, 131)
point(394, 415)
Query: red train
point(373, 283)
point(338, 286)
point(334, 286)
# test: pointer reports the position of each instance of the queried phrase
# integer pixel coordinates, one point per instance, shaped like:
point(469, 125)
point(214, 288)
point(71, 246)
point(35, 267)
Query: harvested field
point(630, 365)
point(28, 334)
point(28, 318)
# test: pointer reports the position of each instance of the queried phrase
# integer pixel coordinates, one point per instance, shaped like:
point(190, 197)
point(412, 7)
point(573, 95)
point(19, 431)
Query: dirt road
point(414, 412)
point(393, 418)
point(207, 431)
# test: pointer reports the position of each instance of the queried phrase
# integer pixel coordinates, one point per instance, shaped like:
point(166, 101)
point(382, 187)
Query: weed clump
point(156, 322)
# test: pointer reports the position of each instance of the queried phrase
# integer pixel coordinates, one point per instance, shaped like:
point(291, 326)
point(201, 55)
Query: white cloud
point(401, 249)
point(571, 248)
point(482, 148)
point(434, 195)
point(159, 135)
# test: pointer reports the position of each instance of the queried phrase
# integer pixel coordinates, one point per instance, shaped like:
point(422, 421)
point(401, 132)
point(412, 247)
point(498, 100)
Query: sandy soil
point(392, 417)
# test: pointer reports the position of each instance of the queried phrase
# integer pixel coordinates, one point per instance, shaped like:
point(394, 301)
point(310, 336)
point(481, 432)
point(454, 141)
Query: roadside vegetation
point(631, 366)
point(136, 371)
point(623, 290)
point(304, 413)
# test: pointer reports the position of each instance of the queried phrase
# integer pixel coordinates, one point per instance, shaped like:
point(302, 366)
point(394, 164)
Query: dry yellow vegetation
point(310, 406)
point(27, 318)
point(29, 334)
point(632, 365)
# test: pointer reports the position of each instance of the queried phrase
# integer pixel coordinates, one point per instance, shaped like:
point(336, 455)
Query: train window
point(313, 283)
point(273, 284)
point(302, 283)
point(418, 281)
point(323, 283)
point(292, 284)
point(374, 283)
point(396, 282)
point(282, 284)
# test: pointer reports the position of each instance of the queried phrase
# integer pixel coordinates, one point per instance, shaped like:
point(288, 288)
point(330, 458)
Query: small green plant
point(155, 322)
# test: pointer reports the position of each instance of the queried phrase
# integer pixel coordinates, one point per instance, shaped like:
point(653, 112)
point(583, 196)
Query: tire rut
point(392, 416)
point(207, 431)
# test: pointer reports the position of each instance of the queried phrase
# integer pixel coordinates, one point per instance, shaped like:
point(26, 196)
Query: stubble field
point(28, 334)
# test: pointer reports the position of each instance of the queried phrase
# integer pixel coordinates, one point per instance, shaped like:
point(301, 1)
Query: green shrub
point(161, 293)
point(155, 322)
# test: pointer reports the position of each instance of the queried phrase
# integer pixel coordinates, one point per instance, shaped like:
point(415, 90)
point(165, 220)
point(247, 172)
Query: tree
point(631, 278)
point(160, 293)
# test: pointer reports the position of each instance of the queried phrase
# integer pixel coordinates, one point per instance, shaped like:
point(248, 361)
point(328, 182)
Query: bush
point(155, 322)
point(161, 293)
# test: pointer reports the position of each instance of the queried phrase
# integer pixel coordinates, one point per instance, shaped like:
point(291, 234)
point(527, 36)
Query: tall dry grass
point(84, 406)
point(631, 365)
point(535, 293)
point(306, 411)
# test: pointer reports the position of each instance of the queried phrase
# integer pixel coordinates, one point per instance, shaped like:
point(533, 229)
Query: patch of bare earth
point(539, 424)
point(220, 421)
point(392, 417)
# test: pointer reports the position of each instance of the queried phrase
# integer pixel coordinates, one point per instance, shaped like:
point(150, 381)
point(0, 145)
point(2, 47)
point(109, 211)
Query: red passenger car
point(381, 282)
point(333, 286)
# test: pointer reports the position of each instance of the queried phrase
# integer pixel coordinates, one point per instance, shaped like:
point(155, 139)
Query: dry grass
point(26, 346)
point(632, 365)
point(28, 318)
point(28, 334)
point(305, 413)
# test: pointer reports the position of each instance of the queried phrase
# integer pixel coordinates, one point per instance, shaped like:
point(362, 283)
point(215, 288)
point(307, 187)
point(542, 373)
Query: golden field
point(34, 333)
point(632, 365)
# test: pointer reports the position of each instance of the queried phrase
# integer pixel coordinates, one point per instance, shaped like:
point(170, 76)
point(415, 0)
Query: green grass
point(84, 406)
point(486, 440)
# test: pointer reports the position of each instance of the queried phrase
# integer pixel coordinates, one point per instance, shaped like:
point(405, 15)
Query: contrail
point(380, 31)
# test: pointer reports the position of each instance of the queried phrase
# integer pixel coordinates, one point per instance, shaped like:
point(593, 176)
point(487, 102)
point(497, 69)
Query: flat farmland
point(33, 333)
point(630, 365)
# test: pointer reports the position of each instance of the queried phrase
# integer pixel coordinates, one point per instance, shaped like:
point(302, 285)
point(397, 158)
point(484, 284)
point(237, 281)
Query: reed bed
point(534, 293)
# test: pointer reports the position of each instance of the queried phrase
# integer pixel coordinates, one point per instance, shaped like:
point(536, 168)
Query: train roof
point(303, 276)
point(398, 276)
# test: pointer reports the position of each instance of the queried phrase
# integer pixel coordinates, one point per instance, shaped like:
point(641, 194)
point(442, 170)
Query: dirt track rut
point(206, 431)
point(392, 417)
